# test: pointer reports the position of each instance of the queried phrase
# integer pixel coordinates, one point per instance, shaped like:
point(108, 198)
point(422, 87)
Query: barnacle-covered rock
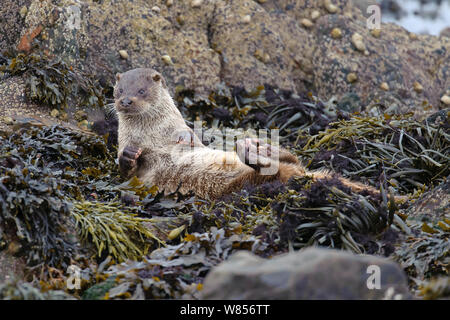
point(11, 22)
point(216, 44)
point(393, 59)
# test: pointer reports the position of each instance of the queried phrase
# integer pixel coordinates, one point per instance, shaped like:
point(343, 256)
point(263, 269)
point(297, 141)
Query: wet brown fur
point(149, 120)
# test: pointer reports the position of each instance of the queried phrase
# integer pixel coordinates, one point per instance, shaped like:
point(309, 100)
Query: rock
point(352, 77)
point(417, 87)
point(445, 99)
point(445, 32)
point(8, 120)
point(217, 44)
point(196, 3)
point(358, 42)
point(375, 32)
point(349, 103)
point(364, 4)
point(393, 59)
point(11, 21)
point(306, 23)
point(433, 205)
point(11, 267)
point(54, 113)
point(123, 54)
point(80, 115)
point(314, 273)
point(384, 86)
point(247, 18)
point(83, 124)
point(336, 33)
point(167, 59)
point(315, 15)
point(330, 6)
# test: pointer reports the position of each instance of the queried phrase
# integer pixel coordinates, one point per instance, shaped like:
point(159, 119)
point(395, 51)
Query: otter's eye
point(121, 91)
point(141, 91)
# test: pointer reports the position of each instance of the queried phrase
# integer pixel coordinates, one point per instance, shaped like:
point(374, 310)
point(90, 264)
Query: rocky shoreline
point(372, 105)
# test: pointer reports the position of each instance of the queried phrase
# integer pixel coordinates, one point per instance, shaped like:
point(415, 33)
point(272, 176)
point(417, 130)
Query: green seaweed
point(409, 153)
point(113, 227)
point(45, 176)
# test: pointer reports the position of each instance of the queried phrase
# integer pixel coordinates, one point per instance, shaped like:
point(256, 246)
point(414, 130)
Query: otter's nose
point(126, 102)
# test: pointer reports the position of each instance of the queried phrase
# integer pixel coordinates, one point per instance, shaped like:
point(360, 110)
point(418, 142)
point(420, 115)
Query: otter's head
point(138, 91)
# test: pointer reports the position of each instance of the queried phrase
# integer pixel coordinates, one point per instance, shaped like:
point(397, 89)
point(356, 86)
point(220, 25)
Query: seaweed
point(175, 271)
point(15, 289)
point(114, 228)
point(47, 175)
point(33, 209)
point(438, 288)
point(411, 154)
point(265, 107)
point(159, 246)
point(52, 81)
point(307, 213)
point(425, 252)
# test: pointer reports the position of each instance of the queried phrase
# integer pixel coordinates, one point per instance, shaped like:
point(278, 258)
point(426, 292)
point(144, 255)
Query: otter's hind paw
point(253, 154)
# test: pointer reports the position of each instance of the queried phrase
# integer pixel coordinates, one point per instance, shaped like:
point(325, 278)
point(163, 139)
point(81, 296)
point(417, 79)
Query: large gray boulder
point(314, 273)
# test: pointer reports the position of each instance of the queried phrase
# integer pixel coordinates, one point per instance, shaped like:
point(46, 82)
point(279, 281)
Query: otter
point(157, 146)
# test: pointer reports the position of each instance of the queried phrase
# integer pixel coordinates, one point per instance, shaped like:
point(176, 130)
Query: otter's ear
point(118, 75)
point(157, 78)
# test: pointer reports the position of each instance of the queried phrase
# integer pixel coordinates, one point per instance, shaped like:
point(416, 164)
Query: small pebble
point(80, 115)
point(180, 19)
point(331, 8)
point(83, 125)
point(196, 3)
point(54, 113)
point(352, 77)
point(23, 11)
point(246, 19)
point(375, 32)
point(169, 3)
point(156, 9)
point(123, 54)
point(358, 42)
point(64, 116)
point(262, 56)
point(417, 87)
point(445, 99)
point(167, 59)
point(8, 120)
point(262, 1)
point(384, 86)
point(306, 23)
point(413, 36)
point(336, 33)
point(315, 15)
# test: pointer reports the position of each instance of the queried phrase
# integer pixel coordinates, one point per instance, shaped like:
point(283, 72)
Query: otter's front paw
point(128, 161)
